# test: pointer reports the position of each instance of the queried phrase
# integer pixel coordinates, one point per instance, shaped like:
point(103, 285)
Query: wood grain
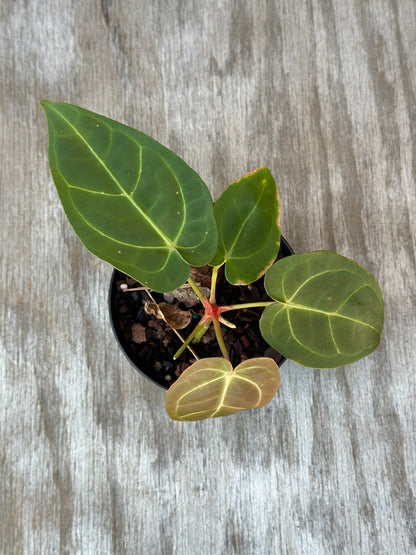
point(322, 92)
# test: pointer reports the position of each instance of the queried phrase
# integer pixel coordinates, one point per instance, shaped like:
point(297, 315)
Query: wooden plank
point(323, 92)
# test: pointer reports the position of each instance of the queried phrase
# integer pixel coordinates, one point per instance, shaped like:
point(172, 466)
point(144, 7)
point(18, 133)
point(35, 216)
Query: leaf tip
point(44, 102)
point(46, 105)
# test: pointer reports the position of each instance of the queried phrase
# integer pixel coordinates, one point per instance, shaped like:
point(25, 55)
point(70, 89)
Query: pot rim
point(119, 338)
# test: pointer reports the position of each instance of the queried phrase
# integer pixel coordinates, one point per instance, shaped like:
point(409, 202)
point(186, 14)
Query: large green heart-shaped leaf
point(211, 388)
point(328, 312)
point(247, 215)
point(131, 201)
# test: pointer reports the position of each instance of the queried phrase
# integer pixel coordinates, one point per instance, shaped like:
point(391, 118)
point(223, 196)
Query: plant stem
point(204, 328)
point(187, 341)
point(220, 339)
point(227, 323)
point(213, 284)
point(248, 305)
point(196, 289)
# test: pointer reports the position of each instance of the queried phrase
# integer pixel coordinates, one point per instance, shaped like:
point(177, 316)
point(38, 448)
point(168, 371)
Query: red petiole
point(212, 313)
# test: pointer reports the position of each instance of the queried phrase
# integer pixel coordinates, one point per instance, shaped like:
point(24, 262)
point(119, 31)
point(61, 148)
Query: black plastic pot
point(126, 346)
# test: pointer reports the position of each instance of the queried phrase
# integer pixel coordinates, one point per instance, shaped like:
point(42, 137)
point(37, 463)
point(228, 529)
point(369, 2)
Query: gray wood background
point(321, 91)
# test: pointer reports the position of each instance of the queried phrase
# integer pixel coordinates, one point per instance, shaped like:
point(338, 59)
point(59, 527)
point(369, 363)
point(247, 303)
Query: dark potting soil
point(150, 343)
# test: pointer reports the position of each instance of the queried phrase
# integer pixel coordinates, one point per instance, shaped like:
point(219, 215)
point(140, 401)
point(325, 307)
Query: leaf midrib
point(228, 378)
point(113, 177)
point(228, 252)
point(289, 306)
point(89, 224)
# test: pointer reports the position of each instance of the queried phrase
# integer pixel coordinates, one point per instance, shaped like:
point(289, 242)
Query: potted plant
point(138, 206)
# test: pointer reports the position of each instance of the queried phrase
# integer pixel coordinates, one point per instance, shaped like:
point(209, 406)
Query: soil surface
point(150, 343)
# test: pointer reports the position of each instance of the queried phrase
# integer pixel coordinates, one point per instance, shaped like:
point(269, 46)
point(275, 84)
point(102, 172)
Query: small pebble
point(138, 333)
point(168, 377)
point(123, 286)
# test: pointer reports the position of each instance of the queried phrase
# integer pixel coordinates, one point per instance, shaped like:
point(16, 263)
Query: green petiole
point(248, 305)
point(196, 289)
point(220, 339)
point(214, 284)
point(188, 340)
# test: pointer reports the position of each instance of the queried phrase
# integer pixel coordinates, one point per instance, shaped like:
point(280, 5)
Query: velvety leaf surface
point(247, 215)
point(211, 388)
point(329, 310)
point(131, 201)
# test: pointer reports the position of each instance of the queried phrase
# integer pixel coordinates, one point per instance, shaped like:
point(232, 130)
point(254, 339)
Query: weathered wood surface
point(323, 92)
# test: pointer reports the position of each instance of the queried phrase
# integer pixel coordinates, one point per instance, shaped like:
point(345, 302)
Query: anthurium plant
point(137, 205)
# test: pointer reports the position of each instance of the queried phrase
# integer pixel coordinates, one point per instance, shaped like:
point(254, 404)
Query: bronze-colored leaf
point(211, 388)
